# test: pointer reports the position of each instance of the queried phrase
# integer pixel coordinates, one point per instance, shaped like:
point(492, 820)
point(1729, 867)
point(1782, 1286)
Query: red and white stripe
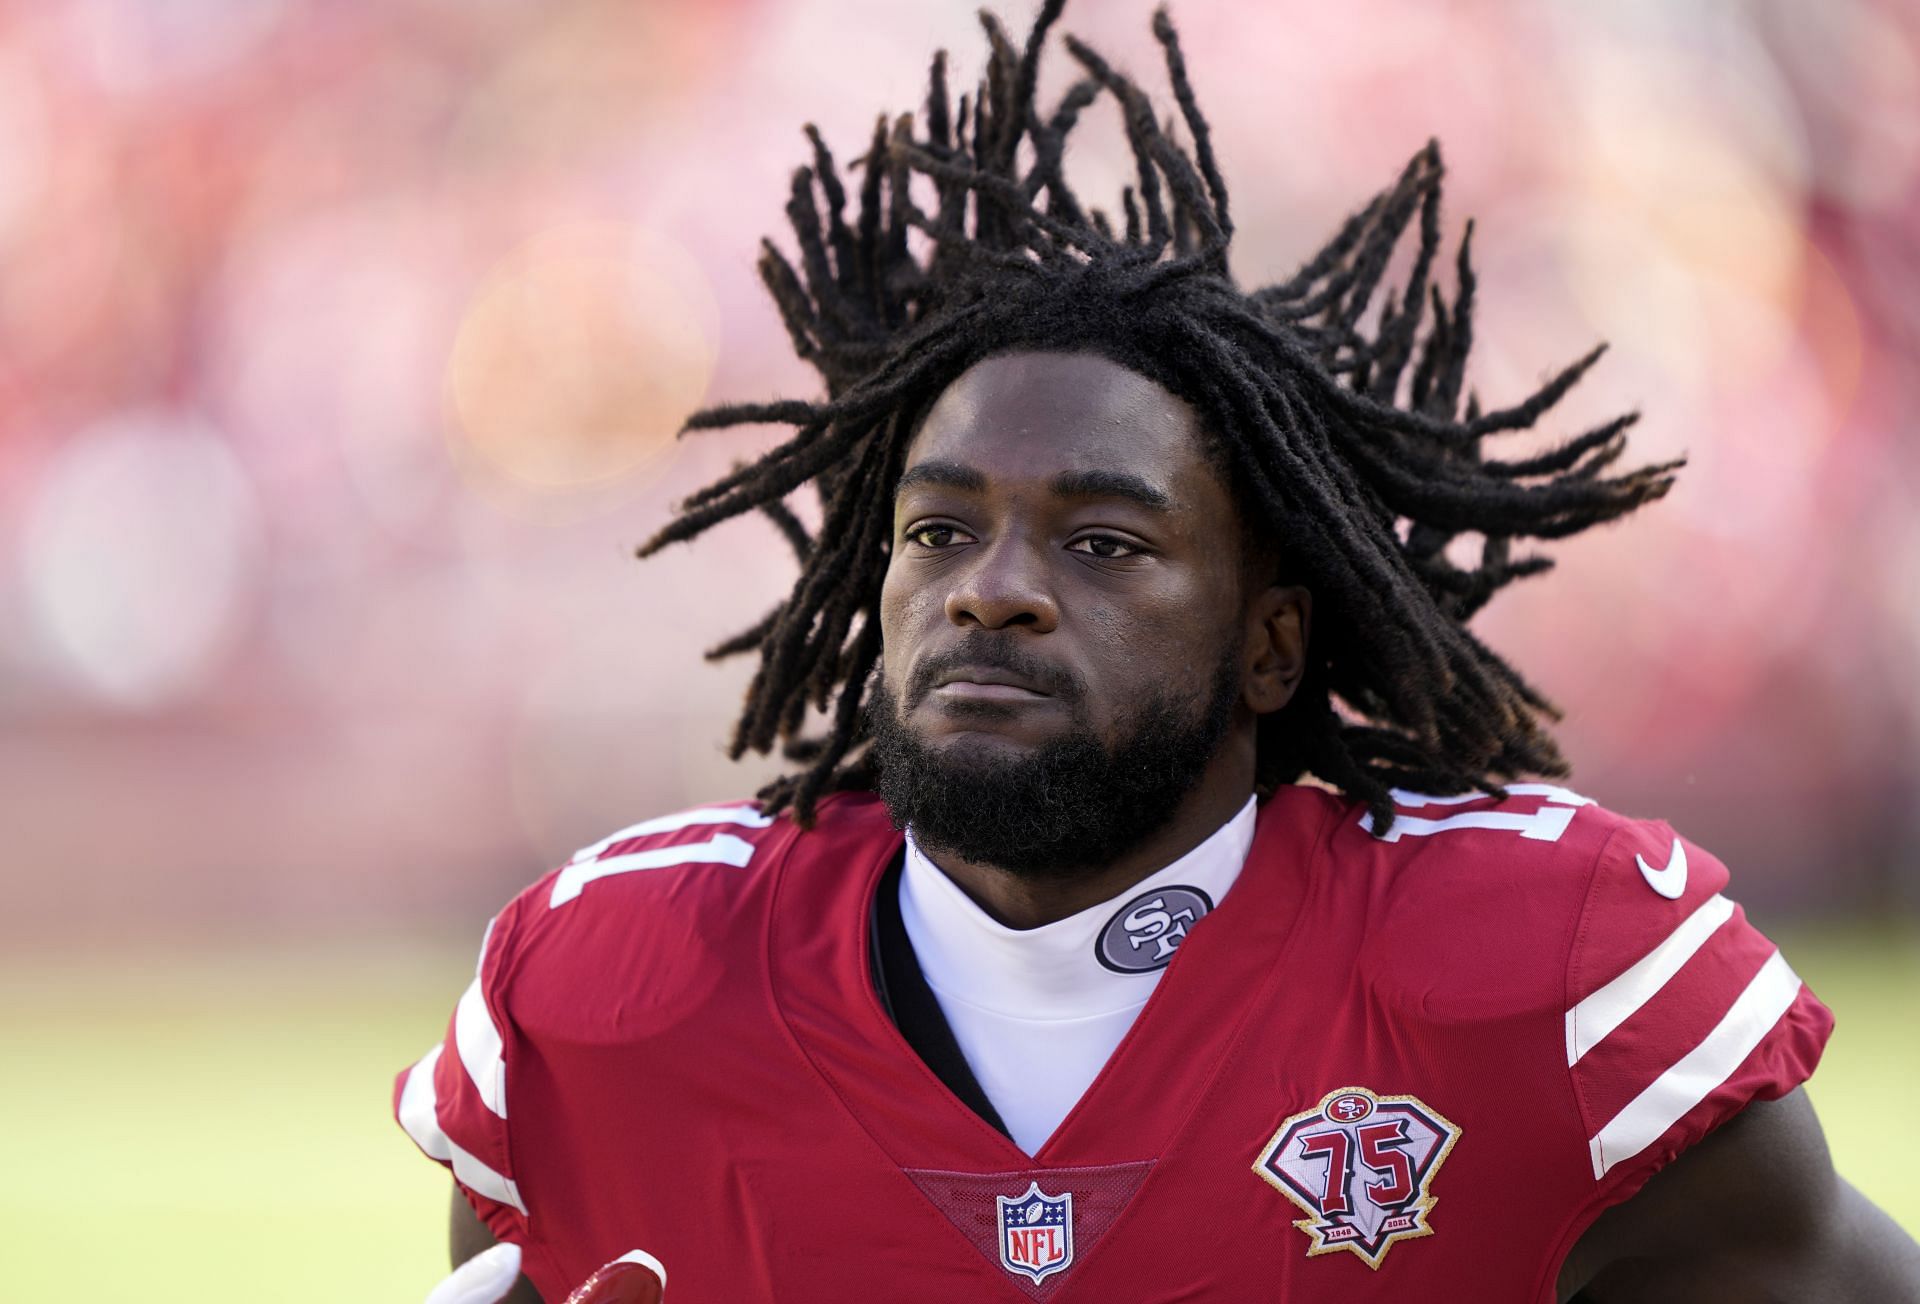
point(430, 1109)
point(1653, 1043)
point(420, 1116)
point(477, 1039)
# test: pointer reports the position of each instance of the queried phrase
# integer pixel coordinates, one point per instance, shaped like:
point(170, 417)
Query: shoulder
point(634, 936)
point(1520, 861)
point(1516, 903)
point(706, 857)
point(1603, 947)
point(664, 901)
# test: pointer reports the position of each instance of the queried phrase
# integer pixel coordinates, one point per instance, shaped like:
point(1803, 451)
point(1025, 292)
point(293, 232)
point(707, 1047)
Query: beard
point(1072, 805)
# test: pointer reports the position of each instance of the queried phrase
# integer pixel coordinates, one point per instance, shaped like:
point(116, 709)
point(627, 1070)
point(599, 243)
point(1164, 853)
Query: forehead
point(1030, 415)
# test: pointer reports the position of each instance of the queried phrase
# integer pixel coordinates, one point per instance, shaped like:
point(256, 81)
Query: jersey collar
point(1052, 972)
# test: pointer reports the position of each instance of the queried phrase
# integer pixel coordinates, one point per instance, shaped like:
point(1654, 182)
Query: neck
point(1021, 901)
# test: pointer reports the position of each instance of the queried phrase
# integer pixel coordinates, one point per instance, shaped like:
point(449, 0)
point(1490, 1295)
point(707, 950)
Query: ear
point(1278, 622)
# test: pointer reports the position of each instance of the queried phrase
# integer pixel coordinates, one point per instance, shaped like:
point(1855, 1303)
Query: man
point(1044, 976)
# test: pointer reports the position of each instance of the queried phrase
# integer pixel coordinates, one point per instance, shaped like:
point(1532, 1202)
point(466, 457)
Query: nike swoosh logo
point(1671, 880)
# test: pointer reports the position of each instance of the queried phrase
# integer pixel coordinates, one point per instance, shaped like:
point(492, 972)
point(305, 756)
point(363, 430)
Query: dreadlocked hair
point(1345, 442)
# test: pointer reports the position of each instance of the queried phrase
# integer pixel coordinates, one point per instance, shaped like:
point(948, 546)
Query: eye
point(936, 536)
point(1105, 546)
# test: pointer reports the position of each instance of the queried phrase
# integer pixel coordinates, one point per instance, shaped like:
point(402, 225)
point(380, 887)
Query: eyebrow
point(1111, 484)
point(1068, 484)
point(947, 475)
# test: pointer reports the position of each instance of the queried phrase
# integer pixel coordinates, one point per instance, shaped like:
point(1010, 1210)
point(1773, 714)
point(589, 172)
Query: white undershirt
point(1035, 1013)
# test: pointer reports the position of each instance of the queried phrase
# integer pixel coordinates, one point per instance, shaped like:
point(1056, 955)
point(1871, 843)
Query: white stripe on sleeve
point(1647, 1117)
point(478, 1041)
point(723, 849)
point(1589, 1022)
point(420, 1116)
point(744, 816)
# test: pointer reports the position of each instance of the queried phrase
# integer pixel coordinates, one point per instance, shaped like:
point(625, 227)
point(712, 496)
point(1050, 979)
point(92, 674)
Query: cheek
point(1132, 652)
point(1144, 652)
point(1114, 629)
point(902, 616)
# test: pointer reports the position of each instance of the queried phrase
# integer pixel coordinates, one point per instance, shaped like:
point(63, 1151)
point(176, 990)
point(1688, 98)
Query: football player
point(1173, 903)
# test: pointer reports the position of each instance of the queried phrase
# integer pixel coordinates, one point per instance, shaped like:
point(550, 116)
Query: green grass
point(216, 1128)
point(1868, 1083)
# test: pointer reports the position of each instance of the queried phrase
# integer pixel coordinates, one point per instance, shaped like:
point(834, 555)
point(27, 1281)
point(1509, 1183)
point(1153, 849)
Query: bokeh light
point(579, 356)
point(139, 552)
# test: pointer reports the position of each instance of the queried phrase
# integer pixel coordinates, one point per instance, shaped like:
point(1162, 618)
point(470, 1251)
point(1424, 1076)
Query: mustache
point(995, 654)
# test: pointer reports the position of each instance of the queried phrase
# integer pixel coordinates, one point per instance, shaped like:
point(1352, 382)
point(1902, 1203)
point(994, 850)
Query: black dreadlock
point(1348, 447)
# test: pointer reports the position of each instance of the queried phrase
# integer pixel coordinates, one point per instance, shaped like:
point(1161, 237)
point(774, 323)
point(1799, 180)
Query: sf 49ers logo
point(1360, 1166)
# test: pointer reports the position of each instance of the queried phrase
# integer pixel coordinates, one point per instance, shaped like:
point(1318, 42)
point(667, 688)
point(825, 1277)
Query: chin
point(986, 726)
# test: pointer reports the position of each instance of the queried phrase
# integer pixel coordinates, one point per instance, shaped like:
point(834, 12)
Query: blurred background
point(342, 349)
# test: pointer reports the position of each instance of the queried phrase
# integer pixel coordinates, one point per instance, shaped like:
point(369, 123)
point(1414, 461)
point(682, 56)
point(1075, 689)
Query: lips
point(987, 682)
point(978, 679)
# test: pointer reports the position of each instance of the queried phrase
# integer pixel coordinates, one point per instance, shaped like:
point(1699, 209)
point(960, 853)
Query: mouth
point(986, 684)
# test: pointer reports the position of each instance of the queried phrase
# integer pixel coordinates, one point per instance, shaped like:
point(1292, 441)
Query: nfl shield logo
point(1036, 1232)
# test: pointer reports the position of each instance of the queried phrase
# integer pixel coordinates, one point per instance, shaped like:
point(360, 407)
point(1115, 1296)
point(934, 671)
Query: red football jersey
point(1391, 1068)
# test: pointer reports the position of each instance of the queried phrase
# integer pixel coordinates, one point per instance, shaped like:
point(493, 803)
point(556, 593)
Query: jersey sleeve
point(1679, 1012)
point(453, 1101)
point(544, 960)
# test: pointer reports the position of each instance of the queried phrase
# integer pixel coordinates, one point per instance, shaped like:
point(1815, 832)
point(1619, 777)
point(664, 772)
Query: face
point(1068, 604)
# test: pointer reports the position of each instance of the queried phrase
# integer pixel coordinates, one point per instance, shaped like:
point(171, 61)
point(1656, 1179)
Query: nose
point(1005, 585)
